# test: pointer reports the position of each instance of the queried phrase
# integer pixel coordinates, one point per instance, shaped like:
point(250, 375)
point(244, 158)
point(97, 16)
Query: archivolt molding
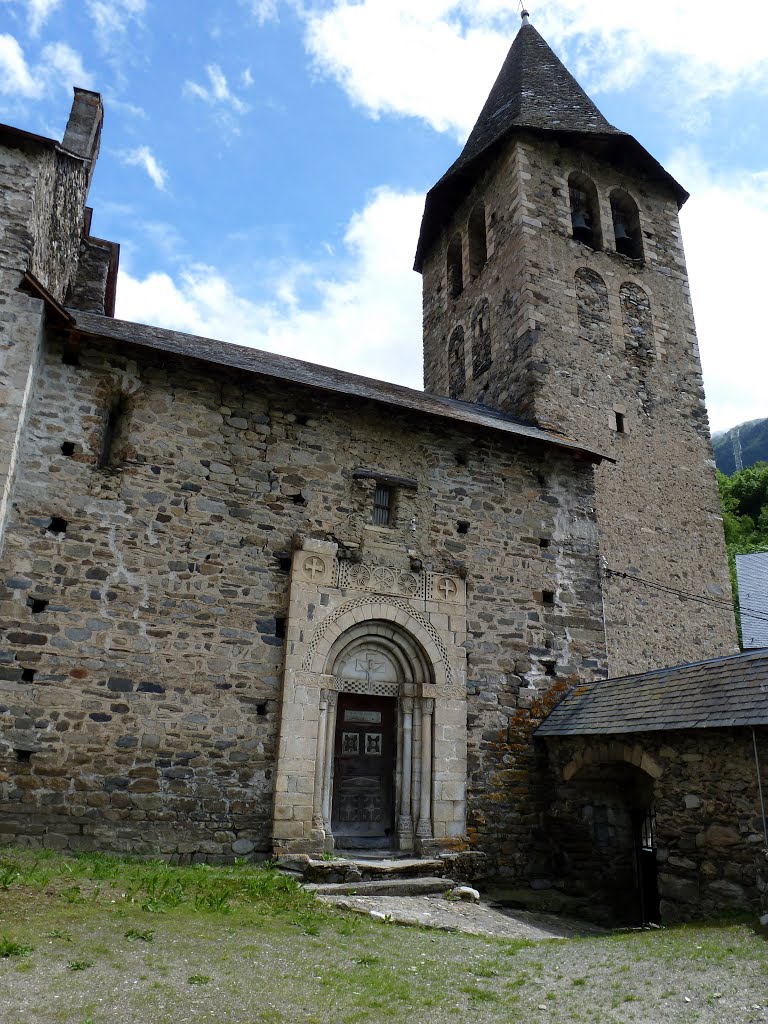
point(352, 614)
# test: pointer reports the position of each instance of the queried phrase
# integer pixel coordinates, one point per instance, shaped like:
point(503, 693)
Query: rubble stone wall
point(42, 197)
point(702, 785)
point(143, 605)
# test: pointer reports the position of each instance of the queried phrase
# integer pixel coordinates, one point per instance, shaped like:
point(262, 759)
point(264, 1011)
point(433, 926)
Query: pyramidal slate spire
point(534, 89)
point(533, 92)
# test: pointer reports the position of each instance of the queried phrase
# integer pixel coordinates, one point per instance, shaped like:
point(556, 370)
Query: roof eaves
point(29, 283)
point(18, 136)
point(215, 352)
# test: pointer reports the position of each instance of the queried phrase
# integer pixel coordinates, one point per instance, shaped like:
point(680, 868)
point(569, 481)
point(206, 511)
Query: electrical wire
point(755, 613)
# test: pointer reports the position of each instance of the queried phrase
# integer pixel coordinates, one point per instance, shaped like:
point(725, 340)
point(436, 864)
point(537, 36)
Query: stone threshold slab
point(434, 911)
point(382, 887)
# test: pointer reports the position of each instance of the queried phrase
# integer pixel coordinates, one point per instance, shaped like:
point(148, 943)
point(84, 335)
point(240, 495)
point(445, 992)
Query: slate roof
point(17, 136)
point(729, 691)
point(325, 378)
point(535, 92)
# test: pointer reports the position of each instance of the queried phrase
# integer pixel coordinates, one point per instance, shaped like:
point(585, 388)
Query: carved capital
point(407, 705)
point(428, 706)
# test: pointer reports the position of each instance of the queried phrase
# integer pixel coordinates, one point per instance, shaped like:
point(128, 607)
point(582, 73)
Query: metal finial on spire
point(525, 16)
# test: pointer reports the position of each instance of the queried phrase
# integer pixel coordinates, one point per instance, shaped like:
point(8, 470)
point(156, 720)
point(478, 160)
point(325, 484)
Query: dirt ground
point(187, 946)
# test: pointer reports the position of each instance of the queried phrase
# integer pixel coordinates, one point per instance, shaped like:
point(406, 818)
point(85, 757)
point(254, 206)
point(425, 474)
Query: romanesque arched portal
point(373, 734)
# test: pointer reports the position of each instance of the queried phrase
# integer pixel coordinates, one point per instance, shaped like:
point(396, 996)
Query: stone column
point(424, 830)
point(330, 743)
point(405, 822)
point(317, 801)
point(416, 766)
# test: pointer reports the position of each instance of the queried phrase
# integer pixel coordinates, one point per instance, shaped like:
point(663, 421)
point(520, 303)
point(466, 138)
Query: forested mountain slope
point(753, 438)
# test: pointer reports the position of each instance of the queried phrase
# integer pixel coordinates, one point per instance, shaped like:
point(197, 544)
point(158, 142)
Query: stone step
point(382, 887)
point(352, 869)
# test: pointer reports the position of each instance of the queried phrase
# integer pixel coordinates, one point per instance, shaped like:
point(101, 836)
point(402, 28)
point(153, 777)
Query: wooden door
point(364, 770)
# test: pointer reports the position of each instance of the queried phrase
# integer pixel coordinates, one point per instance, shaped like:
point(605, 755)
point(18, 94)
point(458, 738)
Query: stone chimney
point(83, 133)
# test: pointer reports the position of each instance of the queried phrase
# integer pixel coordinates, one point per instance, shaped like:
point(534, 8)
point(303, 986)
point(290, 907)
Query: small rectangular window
point(382, 505)
point(620, 424)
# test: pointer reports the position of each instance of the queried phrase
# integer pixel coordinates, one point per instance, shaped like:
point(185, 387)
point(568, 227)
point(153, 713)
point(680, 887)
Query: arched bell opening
point(455, 267)
point(374, 780)
point(477, 241)
point(626, 225)
point(607, 841)
point(585, 211)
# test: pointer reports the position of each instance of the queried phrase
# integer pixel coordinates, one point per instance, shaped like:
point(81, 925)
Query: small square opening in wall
point(284, 561)
point(37, 605)
point(280, 627)
point(548, 597)
point(57, 525)
point(462, 527)
point(27, 675)
point(23, 755)
point(550, 668)
point(544, 543)
point(621, 422)
point(261, 710)
point(68, 449)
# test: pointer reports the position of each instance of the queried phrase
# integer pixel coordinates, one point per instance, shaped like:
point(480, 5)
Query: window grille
point(382, 505)
point(647, 830)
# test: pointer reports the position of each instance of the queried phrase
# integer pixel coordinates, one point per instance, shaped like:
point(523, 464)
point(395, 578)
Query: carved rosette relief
point(385, 579)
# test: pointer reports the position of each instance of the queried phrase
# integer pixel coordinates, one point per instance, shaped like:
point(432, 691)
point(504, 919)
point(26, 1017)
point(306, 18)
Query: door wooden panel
point(364, 767)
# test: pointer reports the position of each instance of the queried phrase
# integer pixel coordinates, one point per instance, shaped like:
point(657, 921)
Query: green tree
point(744, 500)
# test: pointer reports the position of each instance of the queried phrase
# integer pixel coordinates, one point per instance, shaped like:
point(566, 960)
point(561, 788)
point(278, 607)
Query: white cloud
point(447, 52)
point(39, 12)
point(143, 156)
point(16, 77)
point(368, 320)
point(111, 19)
point(59, 65)
point(63, 65)
point(725, 224)
point(264, 10)
point(217, 92)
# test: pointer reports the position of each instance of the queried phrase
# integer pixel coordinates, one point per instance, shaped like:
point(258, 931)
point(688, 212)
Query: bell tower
point(555, 290)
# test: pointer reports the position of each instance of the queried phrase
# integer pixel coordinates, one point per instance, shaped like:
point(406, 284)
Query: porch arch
point(605, 753)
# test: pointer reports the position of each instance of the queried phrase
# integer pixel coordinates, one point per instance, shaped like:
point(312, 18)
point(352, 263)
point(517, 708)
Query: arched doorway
point(607, 840)
point(377, 774)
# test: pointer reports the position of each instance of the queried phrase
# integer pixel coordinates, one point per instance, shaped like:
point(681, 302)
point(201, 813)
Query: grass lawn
point(99, 940)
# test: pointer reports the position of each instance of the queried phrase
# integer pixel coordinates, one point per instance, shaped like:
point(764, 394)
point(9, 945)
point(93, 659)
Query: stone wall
point(702, 784)
point(144, 604)
point(42, 197)
point(604, 348)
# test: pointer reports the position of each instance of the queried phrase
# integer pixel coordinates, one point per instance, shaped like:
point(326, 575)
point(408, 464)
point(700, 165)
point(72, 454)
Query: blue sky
point(264, 162)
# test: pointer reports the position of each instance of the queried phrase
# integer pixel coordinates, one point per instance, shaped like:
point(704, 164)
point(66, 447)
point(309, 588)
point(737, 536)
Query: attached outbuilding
point(655, 808)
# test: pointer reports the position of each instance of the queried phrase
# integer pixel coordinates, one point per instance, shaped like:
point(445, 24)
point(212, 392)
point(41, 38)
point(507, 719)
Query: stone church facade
point(252, 605)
